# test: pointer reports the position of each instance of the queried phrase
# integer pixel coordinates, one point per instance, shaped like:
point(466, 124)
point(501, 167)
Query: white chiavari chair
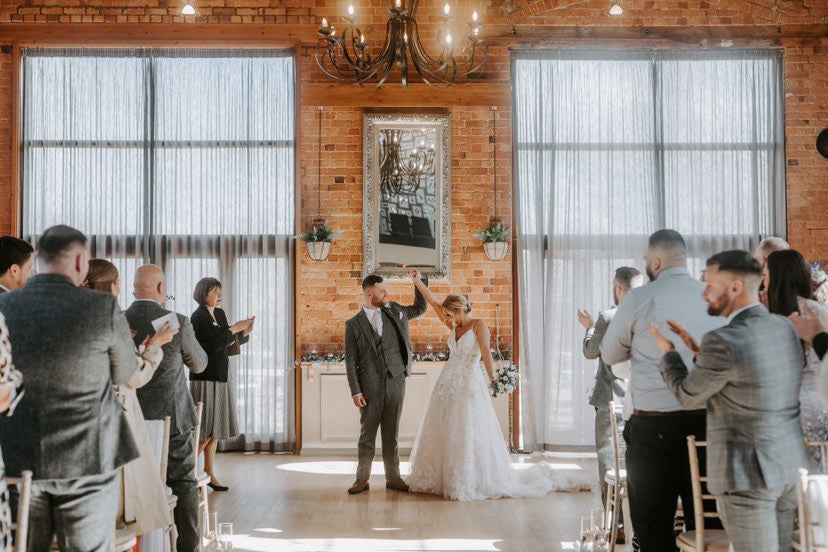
point(701, 539)
point(21, 524)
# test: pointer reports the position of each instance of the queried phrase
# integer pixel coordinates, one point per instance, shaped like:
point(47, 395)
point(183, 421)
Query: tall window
point(611, 146)
point(183, 158)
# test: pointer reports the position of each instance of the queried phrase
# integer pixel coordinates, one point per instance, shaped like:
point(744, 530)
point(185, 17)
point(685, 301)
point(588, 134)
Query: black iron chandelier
point(399, 175)
point(348, 56)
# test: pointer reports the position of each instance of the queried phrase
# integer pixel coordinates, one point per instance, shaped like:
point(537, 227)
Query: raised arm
point(594, 336)
point(617, 341)
point(692, 389)
point(422, 292)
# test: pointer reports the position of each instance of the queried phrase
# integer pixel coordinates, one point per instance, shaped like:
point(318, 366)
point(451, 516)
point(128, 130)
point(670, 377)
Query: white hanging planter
point(496, 250)
point(319, 250)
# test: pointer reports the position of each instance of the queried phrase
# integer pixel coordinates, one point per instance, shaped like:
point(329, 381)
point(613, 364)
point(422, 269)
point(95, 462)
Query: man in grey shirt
point(658, 470)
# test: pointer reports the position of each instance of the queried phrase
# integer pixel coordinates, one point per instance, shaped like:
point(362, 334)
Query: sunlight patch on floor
point(335, 467)
point(247, 543)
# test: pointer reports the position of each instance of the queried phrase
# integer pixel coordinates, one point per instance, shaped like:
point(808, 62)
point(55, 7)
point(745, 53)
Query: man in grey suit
point(71, 345)
point(748, 374)
point(607, 387)
point(168, 394)
point(377, 360)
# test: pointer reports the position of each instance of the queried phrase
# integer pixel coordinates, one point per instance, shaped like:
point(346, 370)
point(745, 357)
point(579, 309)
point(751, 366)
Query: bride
point(460, 452)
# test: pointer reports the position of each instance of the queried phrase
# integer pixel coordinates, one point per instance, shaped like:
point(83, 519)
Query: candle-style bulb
point(324, 22)
point(446, 9)
point(405, 36)
point(361, 38)
point(350, 9)
point(474, 15)
point(398, 3)
point(448, 38)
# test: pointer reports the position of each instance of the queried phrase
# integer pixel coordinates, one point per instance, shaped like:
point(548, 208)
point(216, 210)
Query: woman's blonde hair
point(102, 274)
point(452, 305)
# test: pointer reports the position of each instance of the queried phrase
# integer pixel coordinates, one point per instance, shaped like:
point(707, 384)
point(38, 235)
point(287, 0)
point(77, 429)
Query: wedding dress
point(460, 452)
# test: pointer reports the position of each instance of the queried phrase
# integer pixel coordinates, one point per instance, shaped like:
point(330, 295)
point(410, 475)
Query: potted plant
point(318, 239)
point(495, 240)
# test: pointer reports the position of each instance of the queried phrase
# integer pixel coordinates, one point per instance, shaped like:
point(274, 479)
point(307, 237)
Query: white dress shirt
point(737, 312)
point(674, 295)
point(375, 318)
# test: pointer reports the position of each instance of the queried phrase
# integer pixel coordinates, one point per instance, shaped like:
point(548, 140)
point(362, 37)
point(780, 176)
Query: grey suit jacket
point(72, 345)
point(168, 392)
point(748, 374)
point(361, 357)
point(607, 386)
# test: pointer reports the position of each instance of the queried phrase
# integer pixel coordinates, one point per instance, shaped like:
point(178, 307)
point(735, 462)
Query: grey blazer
point(72, 345)
point(168, 392)
point(748, 374)
point(361, 357)
point(607, 386)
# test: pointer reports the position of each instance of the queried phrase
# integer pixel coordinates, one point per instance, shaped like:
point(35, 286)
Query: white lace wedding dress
point(460, 452)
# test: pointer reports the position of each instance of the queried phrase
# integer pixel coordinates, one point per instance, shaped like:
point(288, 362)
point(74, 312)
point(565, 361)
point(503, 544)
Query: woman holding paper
point(144, 498)
point(213, 386)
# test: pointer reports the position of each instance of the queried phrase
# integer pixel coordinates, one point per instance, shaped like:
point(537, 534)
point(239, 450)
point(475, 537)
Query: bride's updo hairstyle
point(452, 306)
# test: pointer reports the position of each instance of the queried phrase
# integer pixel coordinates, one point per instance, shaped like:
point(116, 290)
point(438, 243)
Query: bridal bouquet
point(505, 380)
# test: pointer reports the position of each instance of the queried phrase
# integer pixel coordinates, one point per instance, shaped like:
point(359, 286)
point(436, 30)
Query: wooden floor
point(299, 504)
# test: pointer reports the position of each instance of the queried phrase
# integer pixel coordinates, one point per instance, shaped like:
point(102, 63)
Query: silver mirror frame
point(373, 123)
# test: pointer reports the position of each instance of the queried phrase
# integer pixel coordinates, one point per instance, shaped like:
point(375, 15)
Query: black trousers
point(658, 472)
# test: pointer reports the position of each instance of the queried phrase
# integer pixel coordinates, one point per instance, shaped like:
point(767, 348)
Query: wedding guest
point(787, 278)
point(10, 388)
point(607, 387)
point(166, 394)
point(144, 504)
point(72, 346)
point(16, 260)
point(767, 246)
point(747, 374)
point(658, 471)
point(214, 386)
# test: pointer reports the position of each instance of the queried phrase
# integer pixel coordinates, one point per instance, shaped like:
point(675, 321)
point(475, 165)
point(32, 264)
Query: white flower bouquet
point(505, 380)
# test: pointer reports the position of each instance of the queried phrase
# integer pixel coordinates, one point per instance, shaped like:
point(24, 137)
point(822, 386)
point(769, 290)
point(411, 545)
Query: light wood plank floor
point(299, 504)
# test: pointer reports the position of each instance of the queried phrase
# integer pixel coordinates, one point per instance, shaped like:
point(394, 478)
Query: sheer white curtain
point(183, 158)
point(609, 147)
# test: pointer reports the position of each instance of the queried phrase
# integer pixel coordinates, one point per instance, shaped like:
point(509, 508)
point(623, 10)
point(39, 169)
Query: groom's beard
point(379, 303)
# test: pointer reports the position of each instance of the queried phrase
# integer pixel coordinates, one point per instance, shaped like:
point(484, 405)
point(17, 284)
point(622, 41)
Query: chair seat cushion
point(714, 539)
point(610, 476)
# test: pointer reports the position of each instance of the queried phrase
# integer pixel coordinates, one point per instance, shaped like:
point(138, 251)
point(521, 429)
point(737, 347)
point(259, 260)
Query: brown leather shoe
point(358, 487)
point(397, 485)
point(621, 537)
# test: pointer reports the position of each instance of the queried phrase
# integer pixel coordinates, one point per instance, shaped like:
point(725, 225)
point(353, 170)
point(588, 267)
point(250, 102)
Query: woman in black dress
point(213, 387)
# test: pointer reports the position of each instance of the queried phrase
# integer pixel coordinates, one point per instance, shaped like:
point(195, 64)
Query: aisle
point(299, 504)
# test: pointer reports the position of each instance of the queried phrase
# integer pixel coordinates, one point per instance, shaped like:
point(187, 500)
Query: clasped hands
point(666, 345)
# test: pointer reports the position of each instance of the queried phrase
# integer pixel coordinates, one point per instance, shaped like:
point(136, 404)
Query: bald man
point(168, 394)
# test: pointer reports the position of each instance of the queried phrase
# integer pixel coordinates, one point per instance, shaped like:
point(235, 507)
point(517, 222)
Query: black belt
point(656, 413)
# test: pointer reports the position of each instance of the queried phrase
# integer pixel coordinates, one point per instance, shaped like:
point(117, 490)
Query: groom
point(377, 360)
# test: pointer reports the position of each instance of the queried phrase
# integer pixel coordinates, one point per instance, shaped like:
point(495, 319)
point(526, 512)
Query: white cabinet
point(330, 421)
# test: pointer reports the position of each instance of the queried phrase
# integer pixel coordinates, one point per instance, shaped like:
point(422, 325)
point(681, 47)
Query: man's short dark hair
point(667, 239)
point(56, 241)
point(371, 280)
point(736, 261)
point(13, 251)
point(625, 275)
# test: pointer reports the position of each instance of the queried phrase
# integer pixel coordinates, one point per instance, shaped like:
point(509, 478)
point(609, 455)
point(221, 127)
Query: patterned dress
point(813, 411)
point(7, 375)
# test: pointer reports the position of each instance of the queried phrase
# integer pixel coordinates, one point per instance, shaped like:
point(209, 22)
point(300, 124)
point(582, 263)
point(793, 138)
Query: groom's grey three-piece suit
point(377, 366)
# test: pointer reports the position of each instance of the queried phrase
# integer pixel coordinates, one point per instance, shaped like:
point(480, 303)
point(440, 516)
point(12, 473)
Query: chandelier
point(400, 175)
point(348, 57)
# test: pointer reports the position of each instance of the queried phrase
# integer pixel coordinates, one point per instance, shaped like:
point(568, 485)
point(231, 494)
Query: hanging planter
point(318, 239)
point(495, 241)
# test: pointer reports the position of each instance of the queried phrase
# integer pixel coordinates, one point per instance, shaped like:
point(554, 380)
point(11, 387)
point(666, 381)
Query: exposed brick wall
point(329, 291)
